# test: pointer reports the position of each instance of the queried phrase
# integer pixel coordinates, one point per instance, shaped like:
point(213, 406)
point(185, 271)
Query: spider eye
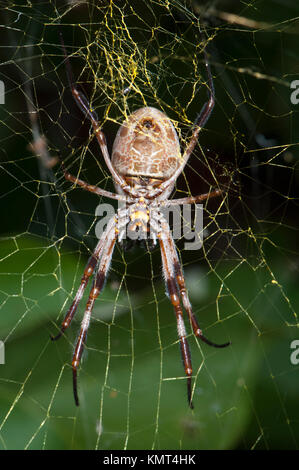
point(148, 123)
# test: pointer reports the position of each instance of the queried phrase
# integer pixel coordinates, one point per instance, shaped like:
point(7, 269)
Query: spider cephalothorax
point(146, 162)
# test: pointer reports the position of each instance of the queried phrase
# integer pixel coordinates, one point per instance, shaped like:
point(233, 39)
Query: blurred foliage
point(131, 346)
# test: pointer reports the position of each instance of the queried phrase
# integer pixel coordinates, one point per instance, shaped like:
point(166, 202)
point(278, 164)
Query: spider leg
point(176, 288)
point(199, 124)
point(169, 274)
point(205, 112)
point(96, 289)
point(88, 271)
point(84, 105)
point(185, 298)
point(195, 199)
point(187, 305)
point(93, 189)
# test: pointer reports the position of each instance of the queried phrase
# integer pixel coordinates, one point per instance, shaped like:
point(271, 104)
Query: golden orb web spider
point(146, 162)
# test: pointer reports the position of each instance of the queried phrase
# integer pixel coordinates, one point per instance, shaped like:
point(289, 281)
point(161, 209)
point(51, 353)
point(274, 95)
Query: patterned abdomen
point(146, 145)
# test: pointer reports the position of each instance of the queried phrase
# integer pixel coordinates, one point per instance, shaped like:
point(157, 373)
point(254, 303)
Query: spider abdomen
point(146, 146)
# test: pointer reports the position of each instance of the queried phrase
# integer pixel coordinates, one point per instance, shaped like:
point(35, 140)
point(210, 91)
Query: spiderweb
point(242, 283)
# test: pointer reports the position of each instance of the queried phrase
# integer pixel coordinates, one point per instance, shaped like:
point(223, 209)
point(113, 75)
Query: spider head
point(146, 148)
point(148, 124)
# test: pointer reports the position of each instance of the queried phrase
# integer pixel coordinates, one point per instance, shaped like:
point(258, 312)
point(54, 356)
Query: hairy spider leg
point(88, 271)
point(96, 289)
point(204, 115)
point(176, 288)
point(84, 105)
point(93, 189)
point(173, 292)
point(195, 199)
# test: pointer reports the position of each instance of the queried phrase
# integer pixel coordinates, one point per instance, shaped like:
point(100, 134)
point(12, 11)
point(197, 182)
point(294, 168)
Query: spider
point(145, 164)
